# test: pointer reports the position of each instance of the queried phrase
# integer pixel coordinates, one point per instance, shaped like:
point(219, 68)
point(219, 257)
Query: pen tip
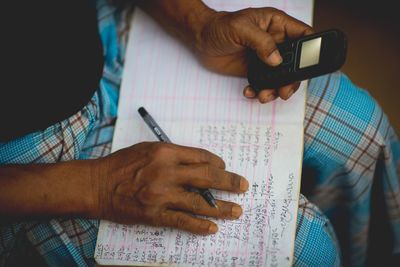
point(142, 111)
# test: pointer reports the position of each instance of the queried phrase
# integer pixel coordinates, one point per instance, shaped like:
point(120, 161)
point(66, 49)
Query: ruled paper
point(199, 108)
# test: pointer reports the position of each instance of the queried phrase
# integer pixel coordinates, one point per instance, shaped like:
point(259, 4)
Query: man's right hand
point(148, 184)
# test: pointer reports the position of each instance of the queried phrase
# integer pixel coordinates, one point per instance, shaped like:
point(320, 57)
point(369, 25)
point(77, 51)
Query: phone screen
point(310, 51)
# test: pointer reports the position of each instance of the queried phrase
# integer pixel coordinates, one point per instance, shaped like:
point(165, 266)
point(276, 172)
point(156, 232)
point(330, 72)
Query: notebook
point(196, 107)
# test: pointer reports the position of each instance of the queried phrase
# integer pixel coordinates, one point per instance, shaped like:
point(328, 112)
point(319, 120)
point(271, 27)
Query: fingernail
point(236, 211)
point(249, 92)
point(275, 58)
point(271, 97)
point(267, 98)
point(244, 185)
point(212, 229)
point(264, 100)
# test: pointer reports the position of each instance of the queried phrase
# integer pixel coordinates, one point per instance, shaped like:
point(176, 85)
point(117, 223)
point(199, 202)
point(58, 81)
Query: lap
point(72, 241)
point(315, 243)
point(349, 148)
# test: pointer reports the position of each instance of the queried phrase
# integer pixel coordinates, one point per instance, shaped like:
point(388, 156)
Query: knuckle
point(204, 155)
point(181, 221)
point(247, 16)
point(206, 171)
point(234, 22)
point(235, 182)
point(267, 13)
point(222, 164)
point(268, 44)
point(148, 195)
point(143, 196)
point(267, 49)
point(276, 12)
point(216, 160)
point(197, 203)
point(144, 144)
point(161, 150)
point(246, 12)
point(269, 10)
point(238, 21)
point(278, 16)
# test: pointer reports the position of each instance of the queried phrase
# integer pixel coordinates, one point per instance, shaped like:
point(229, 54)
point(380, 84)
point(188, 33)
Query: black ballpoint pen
point(155, 128)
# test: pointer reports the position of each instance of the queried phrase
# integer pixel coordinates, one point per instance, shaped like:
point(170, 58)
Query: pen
point(148, 119)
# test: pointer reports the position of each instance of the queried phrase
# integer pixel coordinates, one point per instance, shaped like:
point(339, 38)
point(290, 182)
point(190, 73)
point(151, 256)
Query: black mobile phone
point(303, 58)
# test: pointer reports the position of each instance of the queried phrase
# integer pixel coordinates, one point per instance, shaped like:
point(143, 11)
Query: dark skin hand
point(147, 184)
point(220, 39)
point(143, 184)
point(259, 29)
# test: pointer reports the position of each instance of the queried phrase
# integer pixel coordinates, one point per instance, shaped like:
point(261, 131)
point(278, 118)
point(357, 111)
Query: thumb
point(264, 45)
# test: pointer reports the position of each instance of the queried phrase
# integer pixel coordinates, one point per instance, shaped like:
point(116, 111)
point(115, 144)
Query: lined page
point(199, 108)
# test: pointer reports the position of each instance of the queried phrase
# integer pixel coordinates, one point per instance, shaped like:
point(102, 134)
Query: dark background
point(373, 59)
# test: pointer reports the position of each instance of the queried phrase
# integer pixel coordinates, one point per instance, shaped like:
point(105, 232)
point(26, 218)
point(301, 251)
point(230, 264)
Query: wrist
point(182, 18)
point(197, 21)
point(98, 178)
point(79, 190)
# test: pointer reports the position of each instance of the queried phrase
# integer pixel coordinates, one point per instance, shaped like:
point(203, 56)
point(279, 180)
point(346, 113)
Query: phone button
point(287, 58)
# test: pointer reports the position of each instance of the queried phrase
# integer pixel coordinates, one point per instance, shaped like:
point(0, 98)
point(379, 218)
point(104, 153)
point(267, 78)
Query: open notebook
point(199, 108)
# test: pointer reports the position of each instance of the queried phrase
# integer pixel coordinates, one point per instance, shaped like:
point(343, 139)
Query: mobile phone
point(303, 58)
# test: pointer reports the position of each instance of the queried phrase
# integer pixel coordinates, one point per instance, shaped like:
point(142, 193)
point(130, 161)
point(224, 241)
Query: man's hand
point(220, 39)
point(144, 184)
point(222, 42)
point(148, 184)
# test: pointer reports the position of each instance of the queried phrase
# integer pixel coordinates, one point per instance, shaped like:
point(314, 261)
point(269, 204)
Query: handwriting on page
point(250, 241)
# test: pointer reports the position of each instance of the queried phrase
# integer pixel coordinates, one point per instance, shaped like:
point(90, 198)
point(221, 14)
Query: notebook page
point(199, 108)
point(263, 236)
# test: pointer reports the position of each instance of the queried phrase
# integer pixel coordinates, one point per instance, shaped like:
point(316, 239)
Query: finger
point(287, 91)
point(295, 28)
point(184, 221)
point(195, 203)
point(267, 95)
point(194, 155)
point(262, 43)
point(208, 176)
point(248, 92)
point(283, 26)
